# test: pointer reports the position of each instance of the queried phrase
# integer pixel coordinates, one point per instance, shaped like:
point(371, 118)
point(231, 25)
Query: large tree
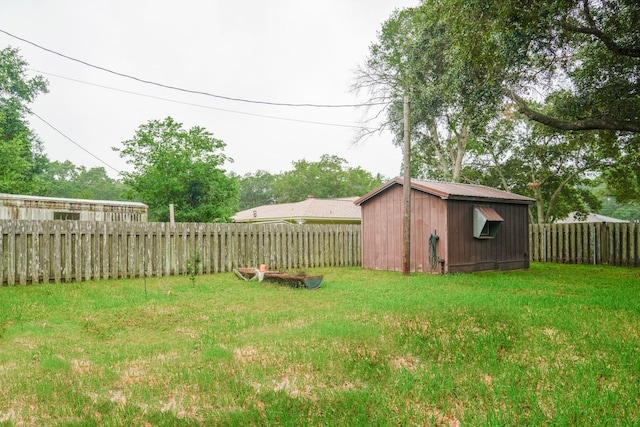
point(172, 165)
point(21, 155)
point(580, 56)
point(413, 56)
point(465, 63)
point(330, 177)
point(590, 48)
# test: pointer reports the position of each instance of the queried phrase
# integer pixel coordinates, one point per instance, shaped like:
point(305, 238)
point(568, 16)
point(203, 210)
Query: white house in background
point(17, 206)
point(573, 217)
point(309, 211)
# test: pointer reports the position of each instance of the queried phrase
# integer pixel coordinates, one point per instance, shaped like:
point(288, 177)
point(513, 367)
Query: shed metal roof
point(452, 191)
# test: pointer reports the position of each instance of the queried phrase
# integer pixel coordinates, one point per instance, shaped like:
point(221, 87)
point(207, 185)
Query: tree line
point(169, 165)
point(538, 98)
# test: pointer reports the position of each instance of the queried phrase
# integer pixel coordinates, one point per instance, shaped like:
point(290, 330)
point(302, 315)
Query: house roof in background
point(573, 217)
point(309, 210)
point(453, 191)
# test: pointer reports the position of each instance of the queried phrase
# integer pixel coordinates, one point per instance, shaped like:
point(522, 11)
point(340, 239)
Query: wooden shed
point(454, 228)
point(14, 206)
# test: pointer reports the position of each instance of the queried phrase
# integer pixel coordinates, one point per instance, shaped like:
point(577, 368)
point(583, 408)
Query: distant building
point(575, 217)
point(15, 206)
point(309, 211)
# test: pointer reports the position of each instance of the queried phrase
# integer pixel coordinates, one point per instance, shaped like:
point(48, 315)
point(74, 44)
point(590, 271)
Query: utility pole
point(406, 220)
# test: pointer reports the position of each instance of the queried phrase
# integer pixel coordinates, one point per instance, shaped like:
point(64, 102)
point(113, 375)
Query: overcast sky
point(282, 51)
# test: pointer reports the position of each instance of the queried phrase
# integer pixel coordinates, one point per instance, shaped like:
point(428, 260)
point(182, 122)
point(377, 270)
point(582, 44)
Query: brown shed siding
point(428, 216)
point(382, 225)
point(382, 232)
point(507, 251)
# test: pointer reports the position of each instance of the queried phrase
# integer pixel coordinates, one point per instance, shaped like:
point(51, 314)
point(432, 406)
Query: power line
point(228, 98)
point(200, 105)
point(75, 143)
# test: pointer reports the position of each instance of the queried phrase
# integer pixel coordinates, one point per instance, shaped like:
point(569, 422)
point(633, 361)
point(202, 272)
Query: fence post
point(544, 243)
point(593, 243)
point(634, 236)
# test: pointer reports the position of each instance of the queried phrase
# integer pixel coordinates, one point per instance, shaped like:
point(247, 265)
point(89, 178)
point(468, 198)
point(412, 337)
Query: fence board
point(57, 252)
point(634, 241)
point(45, 260)
point(21, 264)
point(586, 243)
point(616, 245)
point(624, 246)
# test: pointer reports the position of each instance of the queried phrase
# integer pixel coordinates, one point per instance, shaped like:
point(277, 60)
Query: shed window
point(67, 215)
point(486, 222)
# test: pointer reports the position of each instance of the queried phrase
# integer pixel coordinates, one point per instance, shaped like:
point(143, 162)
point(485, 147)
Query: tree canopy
point(580, 57)
point(64, 179)
point(256, 189)
point(569, 68)
point(172, 165)
point(21, 155)
point(327, 178)
point(585, 52)
point(413, 56)
point(536, 161)
point(330, 177)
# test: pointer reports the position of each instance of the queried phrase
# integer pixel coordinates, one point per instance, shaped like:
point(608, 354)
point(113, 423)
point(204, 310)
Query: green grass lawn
point(554, 345)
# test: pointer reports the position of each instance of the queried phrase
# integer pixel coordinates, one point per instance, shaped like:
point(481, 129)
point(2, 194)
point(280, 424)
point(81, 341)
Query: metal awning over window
point(486, 222)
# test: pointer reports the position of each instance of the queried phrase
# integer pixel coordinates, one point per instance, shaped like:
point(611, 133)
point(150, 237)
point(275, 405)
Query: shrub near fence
point(66, 251)
point(610, 243)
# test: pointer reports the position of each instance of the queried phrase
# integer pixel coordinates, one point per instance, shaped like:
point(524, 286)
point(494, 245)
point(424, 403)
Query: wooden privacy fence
point(66, 251)
point(610, 243)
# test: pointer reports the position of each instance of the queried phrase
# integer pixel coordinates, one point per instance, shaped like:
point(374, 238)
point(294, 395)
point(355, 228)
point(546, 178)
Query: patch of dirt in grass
point(183, 405)
point(160, 310)
point(118, 397)
point(248, 355)
point(295, 324)
point(295, 385)
point(298, 381)
point(407, 362)
point(80, 366)
point(136, 372)
point(428, 414)
point(30, 344)
point(9, 366)
point(190, 332)
point(18, 415)
point(172, 355)
point(488, 380)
